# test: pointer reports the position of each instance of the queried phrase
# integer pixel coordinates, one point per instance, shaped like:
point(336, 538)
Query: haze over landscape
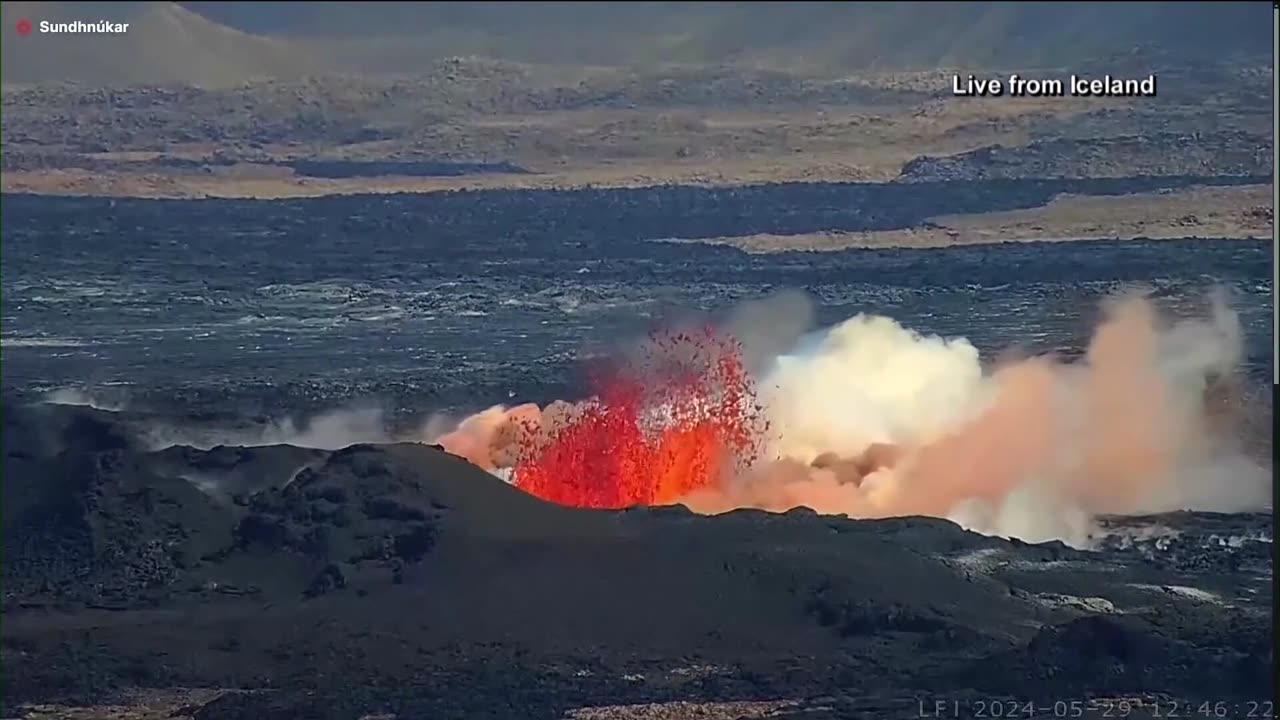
point(226, 99)
point(227, 43)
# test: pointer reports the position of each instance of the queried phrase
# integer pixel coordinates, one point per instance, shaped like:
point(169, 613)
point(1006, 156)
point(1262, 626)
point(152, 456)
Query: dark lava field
point(330, 580)
point(399, 579)
point(469, 298)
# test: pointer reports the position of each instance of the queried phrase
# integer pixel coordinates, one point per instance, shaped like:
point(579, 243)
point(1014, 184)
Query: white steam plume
point(1033, 449)
point(870, 419)
point(331, 430)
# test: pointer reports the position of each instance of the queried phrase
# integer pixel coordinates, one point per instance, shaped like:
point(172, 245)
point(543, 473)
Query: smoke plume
point(870, 419)
point(330, 430)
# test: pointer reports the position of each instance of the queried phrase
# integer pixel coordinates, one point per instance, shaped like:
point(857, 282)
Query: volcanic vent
point(679, 417)
point(868, 418)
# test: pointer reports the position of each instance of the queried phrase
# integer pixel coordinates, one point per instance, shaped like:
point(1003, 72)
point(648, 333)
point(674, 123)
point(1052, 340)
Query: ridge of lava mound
point(680, 417)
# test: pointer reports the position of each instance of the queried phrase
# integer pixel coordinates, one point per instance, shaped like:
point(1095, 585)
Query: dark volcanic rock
point(1227, 154)
point(587, 225)
point(400, 579)
point(1123, 656)
point(92, 517)
point(357, 515)
point(226, 471)
point(45, 431)
point(96, 525)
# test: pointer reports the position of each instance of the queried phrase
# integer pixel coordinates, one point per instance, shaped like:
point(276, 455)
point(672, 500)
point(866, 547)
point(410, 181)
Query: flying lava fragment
point(682, 417)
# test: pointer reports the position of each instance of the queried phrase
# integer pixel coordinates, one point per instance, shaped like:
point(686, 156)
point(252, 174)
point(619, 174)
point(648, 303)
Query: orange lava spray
point(684, 417)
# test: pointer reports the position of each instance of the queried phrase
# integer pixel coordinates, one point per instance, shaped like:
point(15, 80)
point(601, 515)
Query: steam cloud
point(871, 419)
point(331, 430)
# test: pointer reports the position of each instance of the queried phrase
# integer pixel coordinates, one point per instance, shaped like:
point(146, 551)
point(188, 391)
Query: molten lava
point(683, 418)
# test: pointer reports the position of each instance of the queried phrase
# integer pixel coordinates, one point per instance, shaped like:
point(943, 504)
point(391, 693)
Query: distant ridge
point(227, 43)
point(850, 35)
point(165, 44)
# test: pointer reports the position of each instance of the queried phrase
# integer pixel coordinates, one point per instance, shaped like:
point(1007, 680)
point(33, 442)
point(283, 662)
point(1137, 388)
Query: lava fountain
point(868, 418)
point(681, 417)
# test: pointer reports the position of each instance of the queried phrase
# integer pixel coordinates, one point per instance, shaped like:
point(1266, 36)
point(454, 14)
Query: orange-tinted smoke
point(1101, 436)
point(1044, 441)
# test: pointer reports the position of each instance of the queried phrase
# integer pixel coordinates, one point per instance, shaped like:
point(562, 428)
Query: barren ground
point(596, 147)
point(479, 124)
point(1242, 212)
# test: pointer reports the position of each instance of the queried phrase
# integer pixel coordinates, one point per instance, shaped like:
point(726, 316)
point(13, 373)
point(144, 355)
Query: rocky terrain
point(484, 195)
point(470, 122)
point(156, 303)
point(275, 103)
point(1235, 212)
point(1227, 153)
point(400, 581)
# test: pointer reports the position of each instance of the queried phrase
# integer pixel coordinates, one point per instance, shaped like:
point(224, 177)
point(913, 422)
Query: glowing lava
point(682, 418)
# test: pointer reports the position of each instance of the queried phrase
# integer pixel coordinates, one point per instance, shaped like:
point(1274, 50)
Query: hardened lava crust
point(399, 580)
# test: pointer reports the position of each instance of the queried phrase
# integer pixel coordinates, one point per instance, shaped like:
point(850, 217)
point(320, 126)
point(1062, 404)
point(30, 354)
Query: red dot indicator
point(24, 27)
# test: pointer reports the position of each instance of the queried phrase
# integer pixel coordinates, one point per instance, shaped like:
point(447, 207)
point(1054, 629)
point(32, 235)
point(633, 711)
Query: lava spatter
point(682, 417)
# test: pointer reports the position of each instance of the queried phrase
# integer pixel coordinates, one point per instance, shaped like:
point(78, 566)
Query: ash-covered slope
point(400, 579)
point(91, 516)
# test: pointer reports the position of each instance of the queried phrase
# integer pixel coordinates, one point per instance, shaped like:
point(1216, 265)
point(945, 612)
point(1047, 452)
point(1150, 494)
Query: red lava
point(681, 419)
